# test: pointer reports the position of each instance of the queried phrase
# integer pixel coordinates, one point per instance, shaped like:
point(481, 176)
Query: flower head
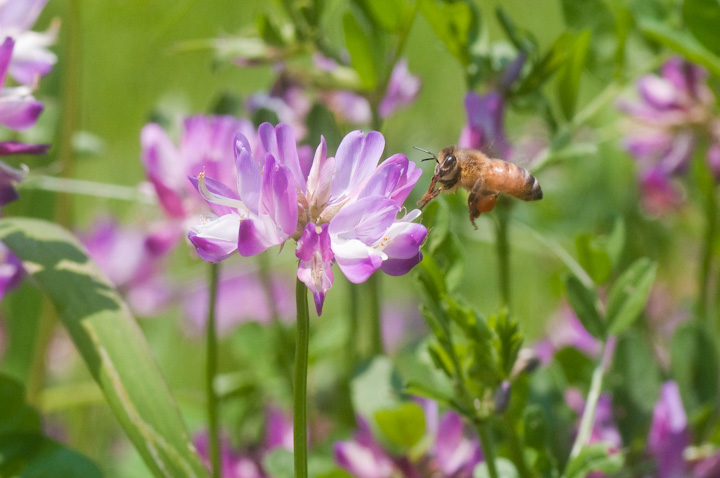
point(673, 113)
point(31, 58)
point(343, 209)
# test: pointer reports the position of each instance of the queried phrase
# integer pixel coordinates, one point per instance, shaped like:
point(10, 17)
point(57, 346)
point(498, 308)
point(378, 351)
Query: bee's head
point(447, 166)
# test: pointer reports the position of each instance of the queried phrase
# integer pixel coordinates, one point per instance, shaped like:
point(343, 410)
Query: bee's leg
point(480, 200)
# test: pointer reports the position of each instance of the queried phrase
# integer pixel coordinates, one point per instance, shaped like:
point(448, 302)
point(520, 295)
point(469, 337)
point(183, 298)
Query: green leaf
point(268, 32)
point(403, 425)
point(508, 340)
point(569, 79)
point(683, 43)
point(420, 389)
point(702, 18)
point(375, 386)
point(358, 45)
point(629, 294)
point(584, 301)
point(110, 342)
point(594, 457)
point(615, 242)
point(694, 366)
point(457, 24)
point(388, 14)
point(543, 69)
point(505, 469)
point(593, 258)
point(522, 39)
point(24, 451)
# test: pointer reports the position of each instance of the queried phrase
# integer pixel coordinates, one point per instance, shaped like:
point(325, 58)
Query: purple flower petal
point(356, 260)
point(402, 89)
point(280, 143)
point(6, 50)
point(279, 196)
point(366, 219)
point(669, 435)
point(217, 239)
point(453, 452)
point(486, 130)
point(19, 112)
point(320, 178)
point(356, 159)
point(278, 430)
point(219, 189)
point(20, 15)
point(315, 266)
point(394, 178)
point(249, 176)
point(9, 177)
point(160, 158)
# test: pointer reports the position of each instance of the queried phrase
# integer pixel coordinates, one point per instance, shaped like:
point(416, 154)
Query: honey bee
point(485, 178)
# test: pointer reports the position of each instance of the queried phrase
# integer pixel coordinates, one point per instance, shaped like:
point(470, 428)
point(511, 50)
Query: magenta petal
point(6, 50)
point(657, 92)
point(394, 178)
point(315, 266)
point(159, 157)
point(9, 148)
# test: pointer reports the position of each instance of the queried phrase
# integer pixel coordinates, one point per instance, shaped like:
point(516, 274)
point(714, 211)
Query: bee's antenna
point(428, 152)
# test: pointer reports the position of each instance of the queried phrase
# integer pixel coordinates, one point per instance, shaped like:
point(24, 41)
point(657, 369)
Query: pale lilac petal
point(347, 106)
point(31, 57)
point(207, 146)
point(320, 176)
point(394, 178)
point(669, 435)
point(356, 159)
point(19, 112)
point(366, 219)
point(658, 92)
point(149, 298)
point(258, 234)
point(453, 452)
point(280, 143)
point(356, 260)
point(315, 266)
point(401, 91)
point(683, 75)
point(279, 196)
point(218, 189)
point(403, 249)
point(9, 148)
point(249, 176)
point(20, 15)
point(362, 461)
point(486, 115)
point(216, 239)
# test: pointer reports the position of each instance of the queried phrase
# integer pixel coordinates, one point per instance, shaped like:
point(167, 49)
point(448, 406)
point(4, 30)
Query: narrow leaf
point(683, 43)
point(110, 342)
point(358, 46)
point(569, 79)
point(584, 301)
point(702, 18)
point(403, 425)
point(629, 294)
point(594, 457)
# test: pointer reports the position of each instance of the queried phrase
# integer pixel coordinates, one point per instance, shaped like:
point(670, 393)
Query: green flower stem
point(488, 446)
point(300, 391)
point(211, 371)
point(588, 416)
point(516, 448)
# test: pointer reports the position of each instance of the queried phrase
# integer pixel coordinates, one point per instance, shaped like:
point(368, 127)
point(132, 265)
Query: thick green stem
point(588, 417)
point(516, 448)
point(488, 446)
point(211, 371)
point(300, 391)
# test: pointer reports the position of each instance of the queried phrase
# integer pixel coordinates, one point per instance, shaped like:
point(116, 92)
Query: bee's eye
point(449, 162)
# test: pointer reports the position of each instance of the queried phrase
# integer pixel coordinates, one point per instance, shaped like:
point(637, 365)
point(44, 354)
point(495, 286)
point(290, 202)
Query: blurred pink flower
point(133, 261)
point(604, 427)
point(675, 111)
point(241, 297)
point(248, 463)
point(11, 271)
point(402, 90)
point(566, 330)
point(669, 435)
point(451, 453)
